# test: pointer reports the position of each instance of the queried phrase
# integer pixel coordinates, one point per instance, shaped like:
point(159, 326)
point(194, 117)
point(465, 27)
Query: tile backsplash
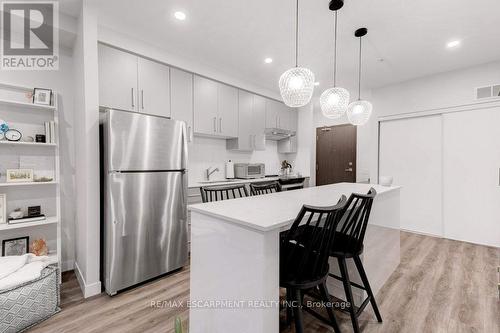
point(209, 152)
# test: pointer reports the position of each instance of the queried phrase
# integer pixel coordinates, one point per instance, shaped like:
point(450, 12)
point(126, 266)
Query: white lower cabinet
point(449, 168)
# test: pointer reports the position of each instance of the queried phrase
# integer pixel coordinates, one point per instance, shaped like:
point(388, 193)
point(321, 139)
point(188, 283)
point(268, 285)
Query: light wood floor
point(440, 286)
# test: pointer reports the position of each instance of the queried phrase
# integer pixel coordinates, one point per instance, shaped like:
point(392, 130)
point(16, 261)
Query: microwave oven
point(249, 170)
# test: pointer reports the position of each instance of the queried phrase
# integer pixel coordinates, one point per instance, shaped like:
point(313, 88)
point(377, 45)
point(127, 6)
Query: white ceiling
point(235, 36)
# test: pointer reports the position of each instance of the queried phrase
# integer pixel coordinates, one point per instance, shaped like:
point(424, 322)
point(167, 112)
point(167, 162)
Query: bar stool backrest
point(355, 219)
point(305, 248)
point(225, 192)
point(264, 188)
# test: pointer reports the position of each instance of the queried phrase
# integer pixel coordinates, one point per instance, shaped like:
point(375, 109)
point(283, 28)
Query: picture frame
point(42, 96)
point(19, 175)
point(15, 246)
point(3, 208)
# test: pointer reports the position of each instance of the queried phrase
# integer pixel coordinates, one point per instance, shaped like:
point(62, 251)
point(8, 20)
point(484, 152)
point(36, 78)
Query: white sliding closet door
point(411, 152)
point(471, 170)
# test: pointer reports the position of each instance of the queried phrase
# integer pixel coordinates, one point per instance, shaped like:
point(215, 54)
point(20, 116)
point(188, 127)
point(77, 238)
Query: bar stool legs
point(364, 279)
point(348, 293)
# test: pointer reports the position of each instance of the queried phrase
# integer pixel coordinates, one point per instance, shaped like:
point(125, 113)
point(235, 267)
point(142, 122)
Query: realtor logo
point(30, 35)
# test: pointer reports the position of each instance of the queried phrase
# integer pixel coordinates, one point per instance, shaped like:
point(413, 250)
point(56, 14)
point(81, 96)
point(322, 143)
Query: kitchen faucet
point(209, 173)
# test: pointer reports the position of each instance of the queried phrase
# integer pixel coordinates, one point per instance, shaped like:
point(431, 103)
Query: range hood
point(277, 134)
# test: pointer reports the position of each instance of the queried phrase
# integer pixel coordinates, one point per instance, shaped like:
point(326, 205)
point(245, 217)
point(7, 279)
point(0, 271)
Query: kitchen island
point(234, 278)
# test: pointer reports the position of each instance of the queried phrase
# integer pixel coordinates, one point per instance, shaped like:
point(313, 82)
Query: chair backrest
point(264, 188)
point(225, 192)
point(305, 249)
point(355, 219)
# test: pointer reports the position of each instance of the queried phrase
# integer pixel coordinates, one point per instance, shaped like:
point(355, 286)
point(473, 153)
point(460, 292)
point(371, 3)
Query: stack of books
point(50, 132)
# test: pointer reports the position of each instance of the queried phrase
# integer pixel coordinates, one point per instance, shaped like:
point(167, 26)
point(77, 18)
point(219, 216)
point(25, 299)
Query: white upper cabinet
point(272, 110)
point(294, 120)
point(251, 123)
point(117, 79)
point(284, 117)
point(153, 88)
point(228, 111)
point(205, 106)
point(215, 108)
point(259, 122)
point(245, 140)
point(278, 115)
point(181, 98)
point(131, 83)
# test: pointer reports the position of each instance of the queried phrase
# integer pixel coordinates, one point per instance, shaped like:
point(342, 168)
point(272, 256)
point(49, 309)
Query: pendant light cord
point(359, 72)
point(335, 52)
point(297, 34)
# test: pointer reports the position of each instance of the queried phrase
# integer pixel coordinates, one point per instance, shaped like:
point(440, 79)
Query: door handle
point(133, 98)
point(142, 98)
point(276, 121)
point(215, 124)
point(220, 125)
point(348, 170)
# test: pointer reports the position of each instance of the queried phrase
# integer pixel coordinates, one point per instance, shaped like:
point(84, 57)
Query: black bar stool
point(348, 243)
point(225, 192)
point(304, 253)
point(264, 188)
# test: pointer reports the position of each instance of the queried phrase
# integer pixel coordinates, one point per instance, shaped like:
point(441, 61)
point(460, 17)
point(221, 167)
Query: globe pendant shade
point(334, 102)
point(296, 86)
point(358, 112)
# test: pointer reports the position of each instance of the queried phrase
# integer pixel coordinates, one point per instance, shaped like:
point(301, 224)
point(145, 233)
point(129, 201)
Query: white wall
point(62, 82)
point(87, 154)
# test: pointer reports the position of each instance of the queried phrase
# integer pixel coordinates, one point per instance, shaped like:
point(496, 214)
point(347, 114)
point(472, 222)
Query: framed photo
point(15, 246)
point(19, 175)
point(42, 96)
point(3, 208)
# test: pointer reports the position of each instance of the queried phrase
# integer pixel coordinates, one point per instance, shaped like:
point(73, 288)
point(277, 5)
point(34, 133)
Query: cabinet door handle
point(215, 124)
point(142, 98)
point(190, 134)
point(220, 124)
point(276, 121)
point(133, 98)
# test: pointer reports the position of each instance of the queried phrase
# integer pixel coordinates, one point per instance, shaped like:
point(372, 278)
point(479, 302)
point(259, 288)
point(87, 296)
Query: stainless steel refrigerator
point(143, 198)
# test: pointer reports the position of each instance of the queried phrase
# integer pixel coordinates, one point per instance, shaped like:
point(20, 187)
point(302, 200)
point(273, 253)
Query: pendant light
point(334, 101)
point(297, 84)
point(359, 111)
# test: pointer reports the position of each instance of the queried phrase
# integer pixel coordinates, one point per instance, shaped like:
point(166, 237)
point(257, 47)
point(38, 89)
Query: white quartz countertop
point(234, 181)
point(276, 210)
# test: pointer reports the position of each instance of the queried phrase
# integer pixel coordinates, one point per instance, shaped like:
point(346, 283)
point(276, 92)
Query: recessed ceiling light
point(181, 16)
point(453, 43)
point(316, 83)
point(268, 60)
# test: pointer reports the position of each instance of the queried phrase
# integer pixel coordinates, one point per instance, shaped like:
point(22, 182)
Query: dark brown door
point(335, 154)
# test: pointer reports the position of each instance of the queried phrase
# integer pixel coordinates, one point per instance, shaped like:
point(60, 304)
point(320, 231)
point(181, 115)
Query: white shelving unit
point(13, 102)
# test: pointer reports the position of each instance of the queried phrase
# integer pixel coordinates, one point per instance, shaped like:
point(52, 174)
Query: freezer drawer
point(145, 227)
point(141, 142)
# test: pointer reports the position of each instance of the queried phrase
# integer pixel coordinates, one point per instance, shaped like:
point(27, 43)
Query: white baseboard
point(88, 290)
